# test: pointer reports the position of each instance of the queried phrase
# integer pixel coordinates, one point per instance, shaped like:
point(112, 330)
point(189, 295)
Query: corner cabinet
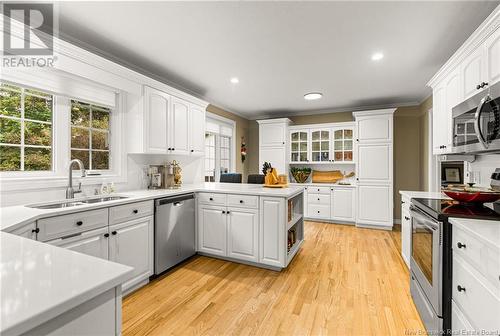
point(170, 124)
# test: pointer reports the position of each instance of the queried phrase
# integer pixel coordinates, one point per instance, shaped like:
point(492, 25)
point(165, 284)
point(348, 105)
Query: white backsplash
point(484, 166)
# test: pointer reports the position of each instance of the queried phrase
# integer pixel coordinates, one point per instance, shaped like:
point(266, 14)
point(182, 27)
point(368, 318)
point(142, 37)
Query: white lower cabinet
point(343, 204)
point(243, 234)
point(131, 244)
point(94, 243)
point(332, 203)
point(27, 231)
point(272, 231)
point(212, 229)
point(406, 231)
point(374, 206)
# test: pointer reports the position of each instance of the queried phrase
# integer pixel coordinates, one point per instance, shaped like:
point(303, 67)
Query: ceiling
point(281, 50)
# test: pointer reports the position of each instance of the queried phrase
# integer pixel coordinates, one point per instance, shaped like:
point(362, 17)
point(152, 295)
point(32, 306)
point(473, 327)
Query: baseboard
point(250, 263)
point(376, 227)
point(329, 221)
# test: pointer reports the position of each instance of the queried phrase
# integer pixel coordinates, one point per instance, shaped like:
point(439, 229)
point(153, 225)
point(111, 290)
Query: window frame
point(228, 123)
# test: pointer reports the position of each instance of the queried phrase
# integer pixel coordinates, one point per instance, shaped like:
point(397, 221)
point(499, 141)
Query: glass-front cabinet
point(320, 145)
point(343, 144)
point(299, 146)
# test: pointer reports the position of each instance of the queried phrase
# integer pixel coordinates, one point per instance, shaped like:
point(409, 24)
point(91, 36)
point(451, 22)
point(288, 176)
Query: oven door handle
point(427, 221)
point(477, 121)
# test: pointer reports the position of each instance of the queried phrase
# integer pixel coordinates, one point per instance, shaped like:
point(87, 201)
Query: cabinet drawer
point(459, 322)
point(479, 303)
point(318, 199)
point(319, 190)
point(243, 201)
point(212, 198)
point(126, 212)
point(483, 257)
point(318, 211)
point(65, 225)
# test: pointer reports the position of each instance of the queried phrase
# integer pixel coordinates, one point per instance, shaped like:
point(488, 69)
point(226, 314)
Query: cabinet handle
point(357, 178)
point(403, 202)
point(241, 201)
point(35, 230)
point(318, 211)
point(114, 233)
point(173, 149)
point(169, 148)
point(192, 150)
point(407, 218)
point(79, 223)
point(460, 245)
point(210, 199)
point(135, 211)
point(228, 212)
point(106, 235)
point(283, 142)
point(223, 212)
point(460, 288)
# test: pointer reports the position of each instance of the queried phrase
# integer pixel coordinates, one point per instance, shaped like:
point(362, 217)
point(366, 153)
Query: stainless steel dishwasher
point(174, 231)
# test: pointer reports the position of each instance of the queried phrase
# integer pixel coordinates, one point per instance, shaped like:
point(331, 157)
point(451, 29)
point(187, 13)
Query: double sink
point(73, 203)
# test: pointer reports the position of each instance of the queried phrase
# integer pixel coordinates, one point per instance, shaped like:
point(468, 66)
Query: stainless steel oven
point(476, 122)
point(426, 265)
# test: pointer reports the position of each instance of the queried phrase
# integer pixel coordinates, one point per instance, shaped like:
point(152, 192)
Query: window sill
point(49, 182)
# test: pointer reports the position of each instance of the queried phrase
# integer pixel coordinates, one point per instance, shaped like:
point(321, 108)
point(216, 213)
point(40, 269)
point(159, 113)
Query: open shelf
point(296, 217)
point(293, 251)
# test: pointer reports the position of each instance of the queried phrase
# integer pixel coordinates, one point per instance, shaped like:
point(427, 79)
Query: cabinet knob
point(228, 212)
point(192, 150)
point(79, 223)
point(210, 199)
point(357, 178)
point(223, 211)
point(114, 233)
point(135, 211)
point(169, 148)
point(173, 149)
point(283, 142)
point(241, 201)
point(318, 199)
point(106, 235)
point(407, 218)
point(35, 230)
point(460, 288)
point(318, 211)
point(460, 245)
point(403, 202)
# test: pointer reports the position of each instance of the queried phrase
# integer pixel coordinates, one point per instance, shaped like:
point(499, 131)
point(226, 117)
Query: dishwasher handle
point(176, 200)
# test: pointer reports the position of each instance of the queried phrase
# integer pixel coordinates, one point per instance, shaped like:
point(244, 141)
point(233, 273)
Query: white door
point(243, 234)
point(212, 230)
point(196, 130)
point(439, 122)
point(179, 127)
point(374, 206)
point(374, 128)
point(343, 203)
point(453, 98)
point(493, 58)
point(156, 112)
point(274, 155)
point(374, 163)
point(272, 134)
point(272, 235)
point(131, 244)
point(93, 243)
point(473, 70)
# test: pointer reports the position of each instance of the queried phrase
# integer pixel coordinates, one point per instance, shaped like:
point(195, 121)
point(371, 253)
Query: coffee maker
point(166, 176)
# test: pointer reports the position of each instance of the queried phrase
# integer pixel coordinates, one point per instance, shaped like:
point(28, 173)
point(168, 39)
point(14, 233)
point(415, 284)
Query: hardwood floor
point(344, 281)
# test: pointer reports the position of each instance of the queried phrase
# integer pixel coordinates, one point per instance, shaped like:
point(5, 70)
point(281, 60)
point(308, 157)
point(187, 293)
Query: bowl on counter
point(471, 194)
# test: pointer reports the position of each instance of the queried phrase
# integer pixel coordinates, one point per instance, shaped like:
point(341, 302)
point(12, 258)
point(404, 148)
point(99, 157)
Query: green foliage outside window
point(25, 129)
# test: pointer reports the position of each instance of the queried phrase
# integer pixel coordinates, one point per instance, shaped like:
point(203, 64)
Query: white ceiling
point(281, 50)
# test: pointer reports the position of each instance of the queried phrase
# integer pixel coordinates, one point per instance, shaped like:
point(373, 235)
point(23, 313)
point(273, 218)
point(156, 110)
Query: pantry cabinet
point(375, 163)
point(131, 244)
point(171, 125)
point(273, 143)
point(374, 206)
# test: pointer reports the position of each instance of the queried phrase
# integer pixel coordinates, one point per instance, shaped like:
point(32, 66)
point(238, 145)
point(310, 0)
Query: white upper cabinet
point(453, 98)
point(439, 121)
point(272, 134)
point(492, 47)
point(179, 127)
point(156, 111)
point(375, 128)
point(276, 156)
point(473, 70)
point(197, 130)
point(342, 144)
point(320, 145)
point(299, 146)
point(273, 143)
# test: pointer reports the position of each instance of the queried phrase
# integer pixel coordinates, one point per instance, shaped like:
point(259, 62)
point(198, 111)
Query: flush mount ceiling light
point(234, 80)
point(313, 95)
point(377, 56)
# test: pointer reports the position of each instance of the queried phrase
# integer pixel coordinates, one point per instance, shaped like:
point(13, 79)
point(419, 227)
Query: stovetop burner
point(442, 208)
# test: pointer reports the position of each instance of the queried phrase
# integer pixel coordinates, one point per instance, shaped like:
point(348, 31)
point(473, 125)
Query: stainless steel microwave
point(476, 123)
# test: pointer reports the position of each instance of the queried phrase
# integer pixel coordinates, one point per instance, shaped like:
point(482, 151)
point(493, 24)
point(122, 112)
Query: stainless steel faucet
point(70, 192)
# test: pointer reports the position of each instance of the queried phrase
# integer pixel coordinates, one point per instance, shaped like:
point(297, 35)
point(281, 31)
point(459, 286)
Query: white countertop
point(423, 194)
point(17, 216)
point(41, 281)
point(330, 185)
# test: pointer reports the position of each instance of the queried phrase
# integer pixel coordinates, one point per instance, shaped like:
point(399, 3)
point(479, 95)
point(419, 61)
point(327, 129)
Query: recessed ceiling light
point(377, 56)
point(235, 80)
point(313, 95)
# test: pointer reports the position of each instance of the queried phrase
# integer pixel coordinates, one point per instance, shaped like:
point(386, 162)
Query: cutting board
point(331, 176)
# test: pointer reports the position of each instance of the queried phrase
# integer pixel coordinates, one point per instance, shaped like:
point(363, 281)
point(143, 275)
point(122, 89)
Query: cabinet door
point(406, 235)
point(131, 244)
point(272, 134)
point(196, 130)
point(374, 128)
point(374, 163)
point(473, 71)
point(274, 155)
point(299, 146)
point(374, 206)
point(438, 119)
point(493, 58)
point(93, 243)
point(27, 231)
point(212, 230)
point(243, 234)
point(453, 98)
point(343, 203)
point(156, 108)
point(320, 145)
point(179, 127)
point(272, 237)
point(342, 144)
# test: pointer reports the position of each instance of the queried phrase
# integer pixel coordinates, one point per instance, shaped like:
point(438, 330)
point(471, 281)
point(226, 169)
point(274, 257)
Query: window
point(90, 134)
point(25, 129)
point(209, 157)
point(225, 157)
